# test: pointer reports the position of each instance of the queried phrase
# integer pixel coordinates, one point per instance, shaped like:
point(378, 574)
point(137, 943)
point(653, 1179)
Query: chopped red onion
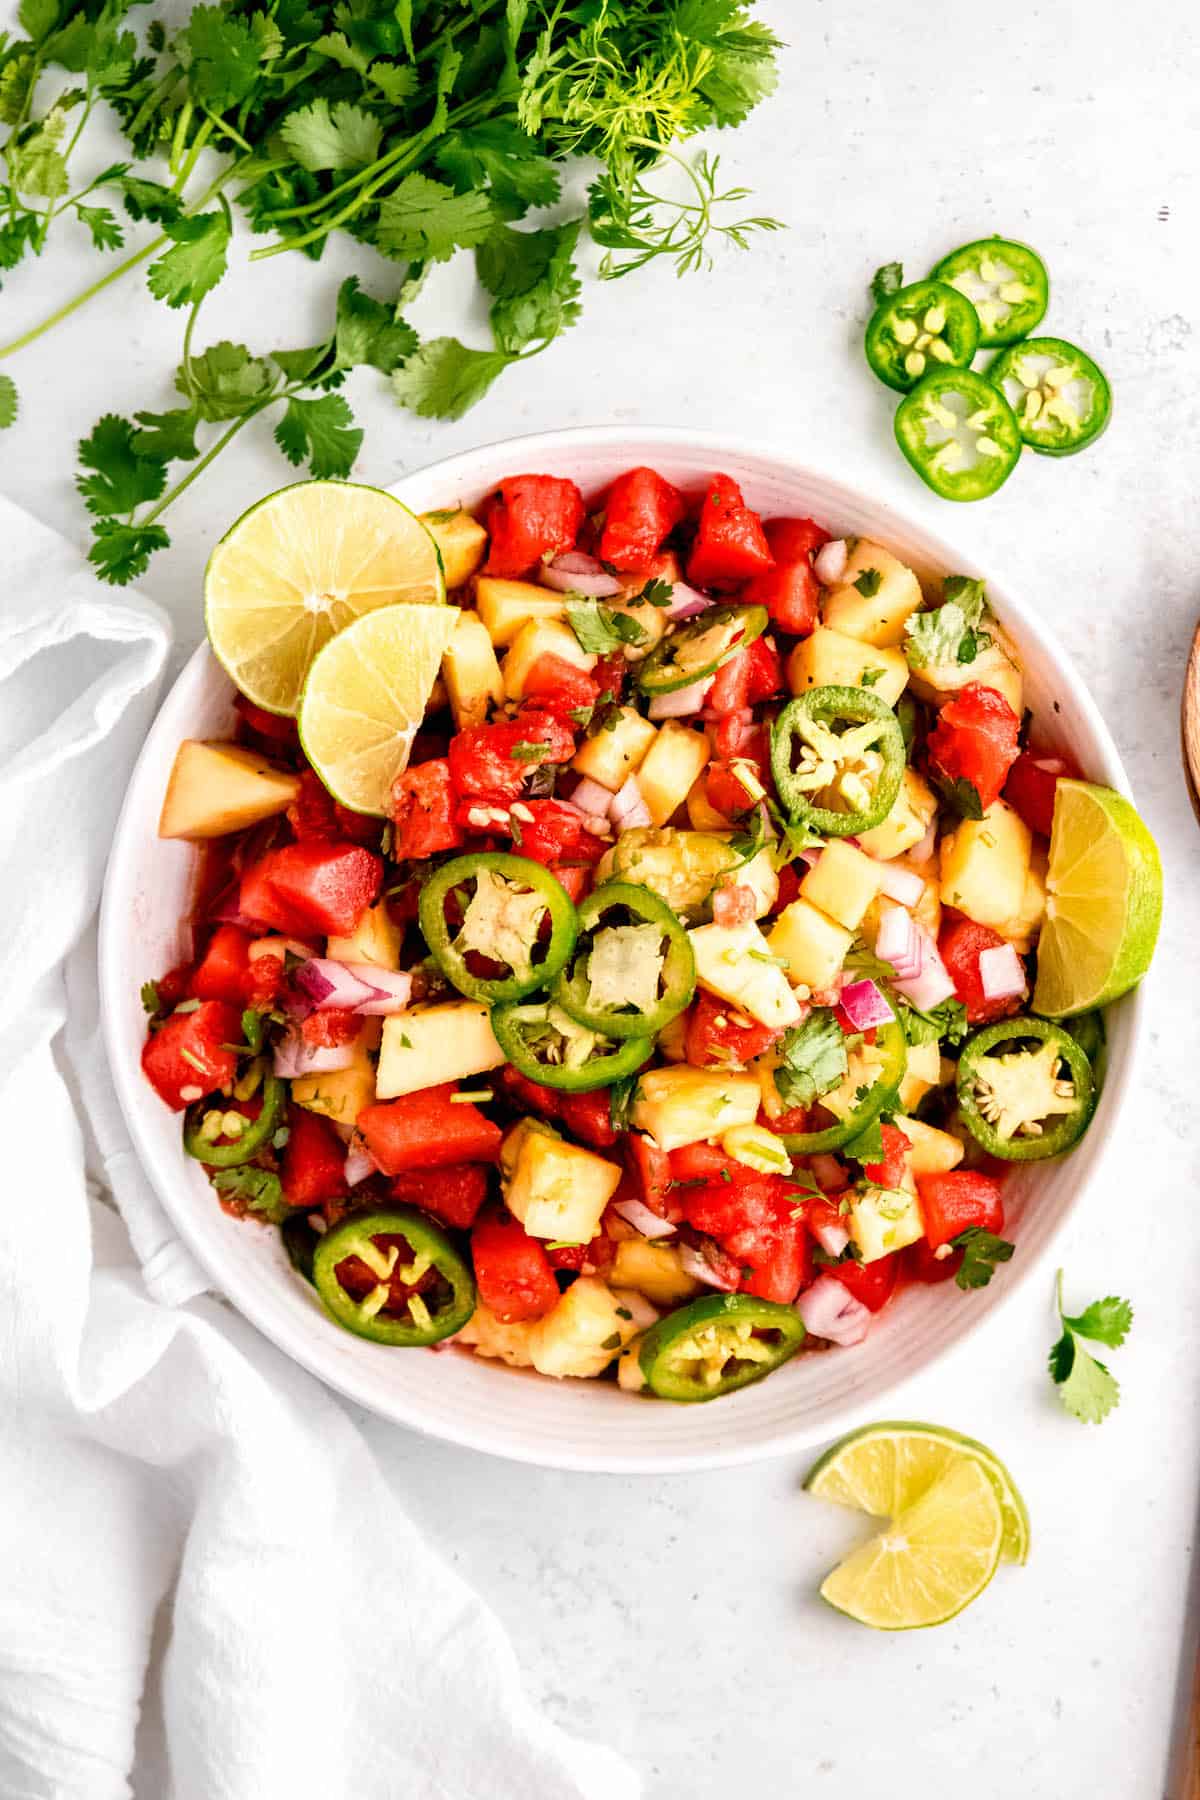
point(932, 984)
point(865, 1006)
point(898, 941)
point(924, 850)
point(829, 1310)
point(831, 1234)
point(628, 810)
point(900, 884)
point(694, 1263)
point(295, 1057)
point(682, 702)
point(353, 987)
point(575, 573)
point(637, 1214)
point(829, 564)
point(358, 1166)
point(591, 798)
point(1002, 973)
point(687, 602)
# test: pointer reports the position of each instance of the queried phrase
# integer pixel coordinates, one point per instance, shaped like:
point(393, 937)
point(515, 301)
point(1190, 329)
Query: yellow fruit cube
point(878, 614)
point(506, 606)
point(1024, 926)
point(215, 788)
point(832, 659)
point(342, 1094)
point(680, 1105)
point(654, 1270)
point(430, 1044)
point(735, 963)
point(541, 637)
point(375, 939)
point(933, 1152)
point(669, 768)
point(985, 865)
point(922, 1071)
point(557, 1190)
point(995, 666)
point(842, 882)
point(612, 756)
point(758, 1148)
point(912, 813)
point(813, 946)
point(589, 1327)
point(881, 1220)
point(489, 1336)
point(471, 672)
point(461, 541)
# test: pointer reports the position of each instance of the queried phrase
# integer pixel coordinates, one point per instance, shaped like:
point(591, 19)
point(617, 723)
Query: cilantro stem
point(198, 467)
point(81, 299)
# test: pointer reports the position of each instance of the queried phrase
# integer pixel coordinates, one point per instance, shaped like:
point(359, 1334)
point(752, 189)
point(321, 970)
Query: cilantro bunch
point(420, 129)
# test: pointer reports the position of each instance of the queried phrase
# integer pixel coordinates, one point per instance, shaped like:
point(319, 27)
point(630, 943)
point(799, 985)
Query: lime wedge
point(884, 1469)
point(930, 1562)
point(365, 697)
point(297, 568)
point(1103, 901)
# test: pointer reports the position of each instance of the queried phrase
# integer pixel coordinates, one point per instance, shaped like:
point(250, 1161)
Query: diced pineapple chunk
point(611, 757)
point(589, 1327)
point(995, 666)
point(813, 946)
point(878, 616)
point(761, 877)
point(654, 1270)
point(430, 1044)
point(507, 606)
point(906, 824)
point(375, 939)
point(471, 672)
point(461, 541)
point(831, 659)
point(985, 865)
point(863, 1069)
point(933, 1152)
point(541, 637)
point(629, 1370)
point(1023, 928)
point(842, 882)
point(680, 1106)
point(884, 1219)
point(672, 1039)
point(669, 768)
point(922, 1071)
point(343, 1093)
point(556, 1189)
point(489, 1336)
point(757, 1148)
point(735, 963)
point(215, 788)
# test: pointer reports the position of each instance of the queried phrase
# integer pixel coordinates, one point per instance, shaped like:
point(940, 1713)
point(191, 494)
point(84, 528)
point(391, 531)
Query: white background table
point(678, 1618)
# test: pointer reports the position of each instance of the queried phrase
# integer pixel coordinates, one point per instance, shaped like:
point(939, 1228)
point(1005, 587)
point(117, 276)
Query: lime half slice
point(1103, 901)
point(929, 1562)
point(365, 697)
point(884, 1469)
point(296, 569)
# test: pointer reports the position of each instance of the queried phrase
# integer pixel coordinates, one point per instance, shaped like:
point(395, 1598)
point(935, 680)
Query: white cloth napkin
point(166, 1476)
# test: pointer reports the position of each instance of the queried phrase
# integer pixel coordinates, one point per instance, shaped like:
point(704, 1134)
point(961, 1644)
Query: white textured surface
point(677, 1617)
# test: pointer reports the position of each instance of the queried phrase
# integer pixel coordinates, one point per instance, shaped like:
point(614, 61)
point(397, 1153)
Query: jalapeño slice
point(837, 755)
point(502, 903)
point(882, 1095)
point(253, 1135)
point(916, 329)
point(1005, 282)
point(697, 649)
point(717, 1345)
point(545, 1044)
point(959, 434)
point(633, 970)
point(1025, 1089)
point(1060, 396)
point(393, 1277)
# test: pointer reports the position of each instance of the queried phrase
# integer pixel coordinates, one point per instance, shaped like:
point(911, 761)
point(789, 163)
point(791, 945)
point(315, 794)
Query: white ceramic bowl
point(575, 1424)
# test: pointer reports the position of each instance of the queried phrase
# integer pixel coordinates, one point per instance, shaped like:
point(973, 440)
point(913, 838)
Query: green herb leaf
point(958, 793)
point(9, 403)
point(120, 553)
point(813, 1059)
point(949, 1021)
point(368, 332)
point(341, 136)
point(982, 1252)
point(886, 281)
point(1106, 1321)
point(1085, 1386)
point(149, 996)
point(444, 379)
point(425, 219)
point(868, 585)
point(323, 432)
point(260, 1191)
point(122, 479)
point(950, 633)
point(599, 630)
point(197, 261)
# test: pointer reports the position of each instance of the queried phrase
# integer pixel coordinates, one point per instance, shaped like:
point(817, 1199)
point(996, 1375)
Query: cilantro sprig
point(1085, 1386)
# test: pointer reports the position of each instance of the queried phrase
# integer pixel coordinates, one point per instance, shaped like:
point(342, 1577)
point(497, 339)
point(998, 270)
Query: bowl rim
point(241, 1289)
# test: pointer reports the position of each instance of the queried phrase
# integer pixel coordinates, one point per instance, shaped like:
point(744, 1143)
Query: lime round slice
point(931, 1561)
point(1103, 901)
point(365, 697)
point(884, 1469)
point(297, 568)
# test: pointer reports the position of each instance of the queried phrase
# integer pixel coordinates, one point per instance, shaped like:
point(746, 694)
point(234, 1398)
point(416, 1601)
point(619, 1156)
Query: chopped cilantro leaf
point(868, 583)
point(258, 1190)
point(150, 1000)
point(1085, 1386)
point(599, 630)
point(982, 1252)
point(887, 280)
point(813, 1059)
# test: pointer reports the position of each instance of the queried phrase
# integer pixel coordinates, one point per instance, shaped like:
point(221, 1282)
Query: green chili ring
point(983, 270)
point(678, 976)
point(564, 925)
point(885, 1092)
point(1039, 406)
point(928, 431)
point(816, 711)
point(718, 1323)
point(356, 1236)
point(1057, 1138)
point(509, 1023)
point(256, 1137)
point(660, 672)
point(916, 329)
